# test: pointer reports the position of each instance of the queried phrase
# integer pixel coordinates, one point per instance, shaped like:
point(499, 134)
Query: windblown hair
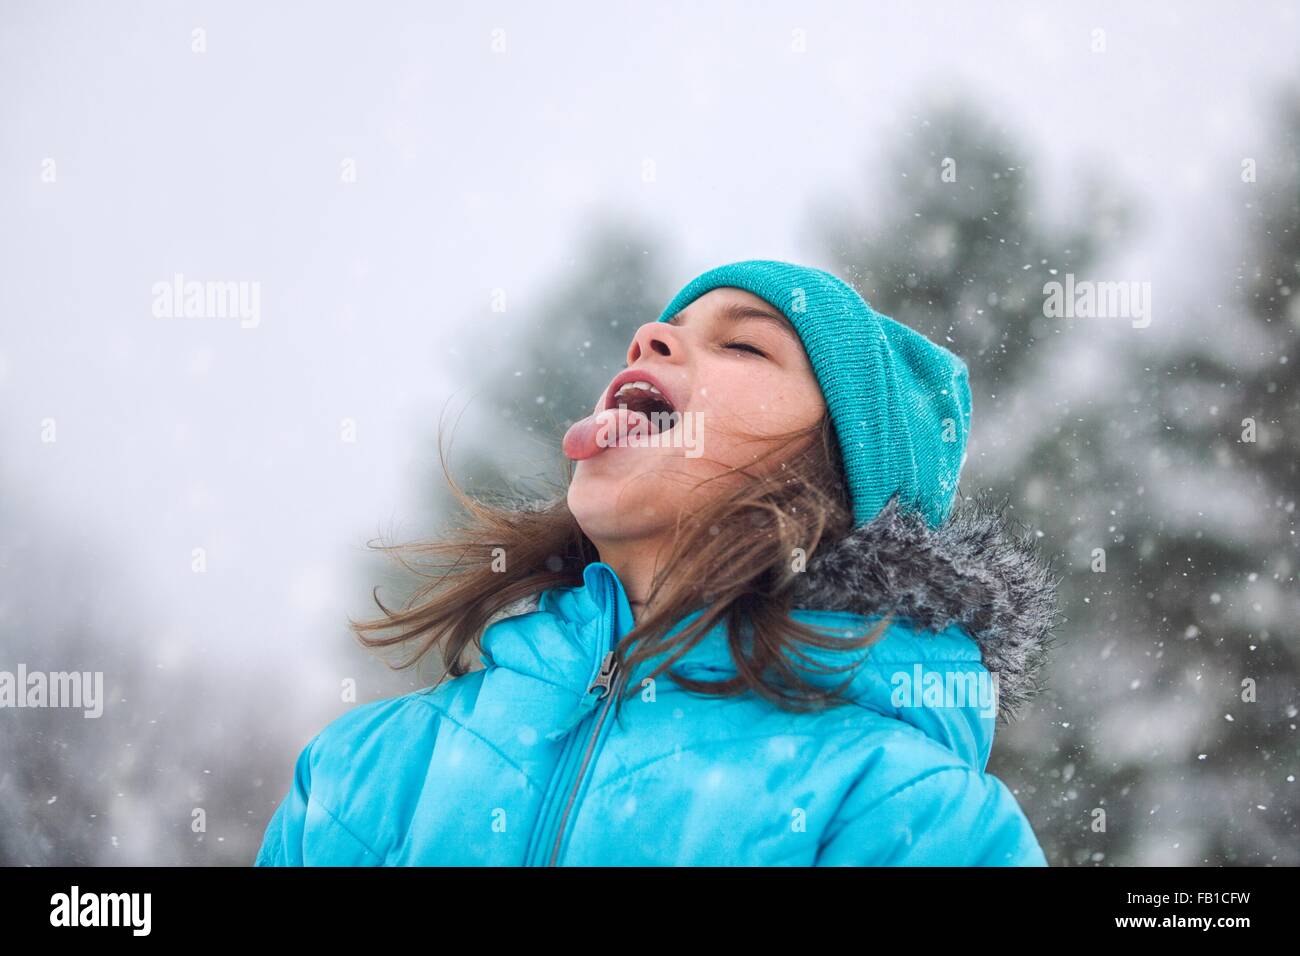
point(733, 560)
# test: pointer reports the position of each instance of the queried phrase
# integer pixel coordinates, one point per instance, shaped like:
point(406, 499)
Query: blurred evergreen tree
point(956, 250)
point(1214, 544)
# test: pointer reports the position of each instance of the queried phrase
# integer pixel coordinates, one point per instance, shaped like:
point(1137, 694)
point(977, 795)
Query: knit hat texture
point(900, 404)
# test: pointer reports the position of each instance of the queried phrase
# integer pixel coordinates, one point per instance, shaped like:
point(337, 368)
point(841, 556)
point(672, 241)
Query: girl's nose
point(654, 338)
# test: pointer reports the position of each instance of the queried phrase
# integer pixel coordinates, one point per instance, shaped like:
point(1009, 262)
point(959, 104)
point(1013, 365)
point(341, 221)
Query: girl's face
point(735, 372)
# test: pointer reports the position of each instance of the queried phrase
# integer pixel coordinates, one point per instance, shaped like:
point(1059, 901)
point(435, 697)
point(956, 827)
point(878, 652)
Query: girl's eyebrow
point(734, 312)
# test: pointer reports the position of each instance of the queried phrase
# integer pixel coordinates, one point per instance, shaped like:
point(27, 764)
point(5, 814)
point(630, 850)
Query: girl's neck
point(635, 563)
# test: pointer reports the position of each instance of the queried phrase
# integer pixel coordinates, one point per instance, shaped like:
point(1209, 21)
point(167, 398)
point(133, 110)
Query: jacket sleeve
point(949, 816)
point(282, 844)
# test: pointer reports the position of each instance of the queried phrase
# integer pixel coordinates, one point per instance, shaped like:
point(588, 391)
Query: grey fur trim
point(974, 571)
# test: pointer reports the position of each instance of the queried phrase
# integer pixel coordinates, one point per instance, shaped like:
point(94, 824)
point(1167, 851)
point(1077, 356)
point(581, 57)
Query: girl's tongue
point(590, 436)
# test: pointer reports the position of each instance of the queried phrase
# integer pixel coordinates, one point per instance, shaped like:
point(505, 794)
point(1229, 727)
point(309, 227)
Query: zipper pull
point(605, 679)
point(597, 692)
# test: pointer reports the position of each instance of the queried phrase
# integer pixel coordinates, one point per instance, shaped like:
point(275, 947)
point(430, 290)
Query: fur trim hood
point(976, 572)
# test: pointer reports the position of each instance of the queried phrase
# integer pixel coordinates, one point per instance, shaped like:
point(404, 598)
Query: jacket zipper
point(605, 687)
point(606, 682)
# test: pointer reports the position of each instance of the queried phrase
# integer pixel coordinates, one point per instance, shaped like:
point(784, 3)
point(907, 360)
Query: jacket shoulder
point(360, 760)
point(916, 803)
point(354, 726)
point(381, 739)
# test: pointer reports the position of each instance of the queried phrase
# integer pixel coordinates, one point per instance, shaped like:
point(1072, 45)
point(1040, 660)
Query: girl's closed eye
point(745, 347)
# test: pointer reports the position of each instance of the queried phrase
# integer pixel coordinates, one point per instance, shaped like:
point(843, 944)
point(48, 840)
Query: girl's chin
point(600, 524)
point(617, 503)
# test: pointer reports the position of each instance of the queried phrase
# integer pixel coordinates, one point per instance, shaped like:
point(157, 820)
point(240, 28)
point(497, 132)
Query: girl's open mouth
point(641, 407)
point(642, 397)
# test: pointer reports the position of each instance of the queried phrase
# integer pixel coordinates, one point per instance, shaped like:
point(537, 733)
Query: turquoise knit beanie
point(900, 404)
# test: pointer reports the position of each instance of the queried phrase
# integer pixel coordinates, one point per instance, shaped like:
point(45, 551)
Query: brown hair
point(732, 560)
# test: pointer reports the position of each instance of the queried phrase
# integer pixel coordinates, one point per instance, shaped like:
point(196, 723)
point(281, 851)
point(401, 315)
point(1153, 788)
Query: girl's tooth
point(639, 386)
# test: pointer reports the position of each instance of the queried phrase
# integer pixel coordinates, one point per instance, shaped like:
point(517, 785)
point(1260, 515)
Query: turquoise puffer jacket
point(522, 762)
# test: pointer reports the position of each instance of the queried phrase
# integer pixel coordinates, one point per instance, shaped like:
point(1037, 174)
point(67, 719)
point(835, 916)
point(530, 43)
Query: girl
point(753, 631)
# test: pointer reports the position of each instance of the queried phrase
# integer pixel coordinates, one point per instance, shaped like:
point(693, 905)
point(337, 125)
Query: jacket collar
point(969, 597)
